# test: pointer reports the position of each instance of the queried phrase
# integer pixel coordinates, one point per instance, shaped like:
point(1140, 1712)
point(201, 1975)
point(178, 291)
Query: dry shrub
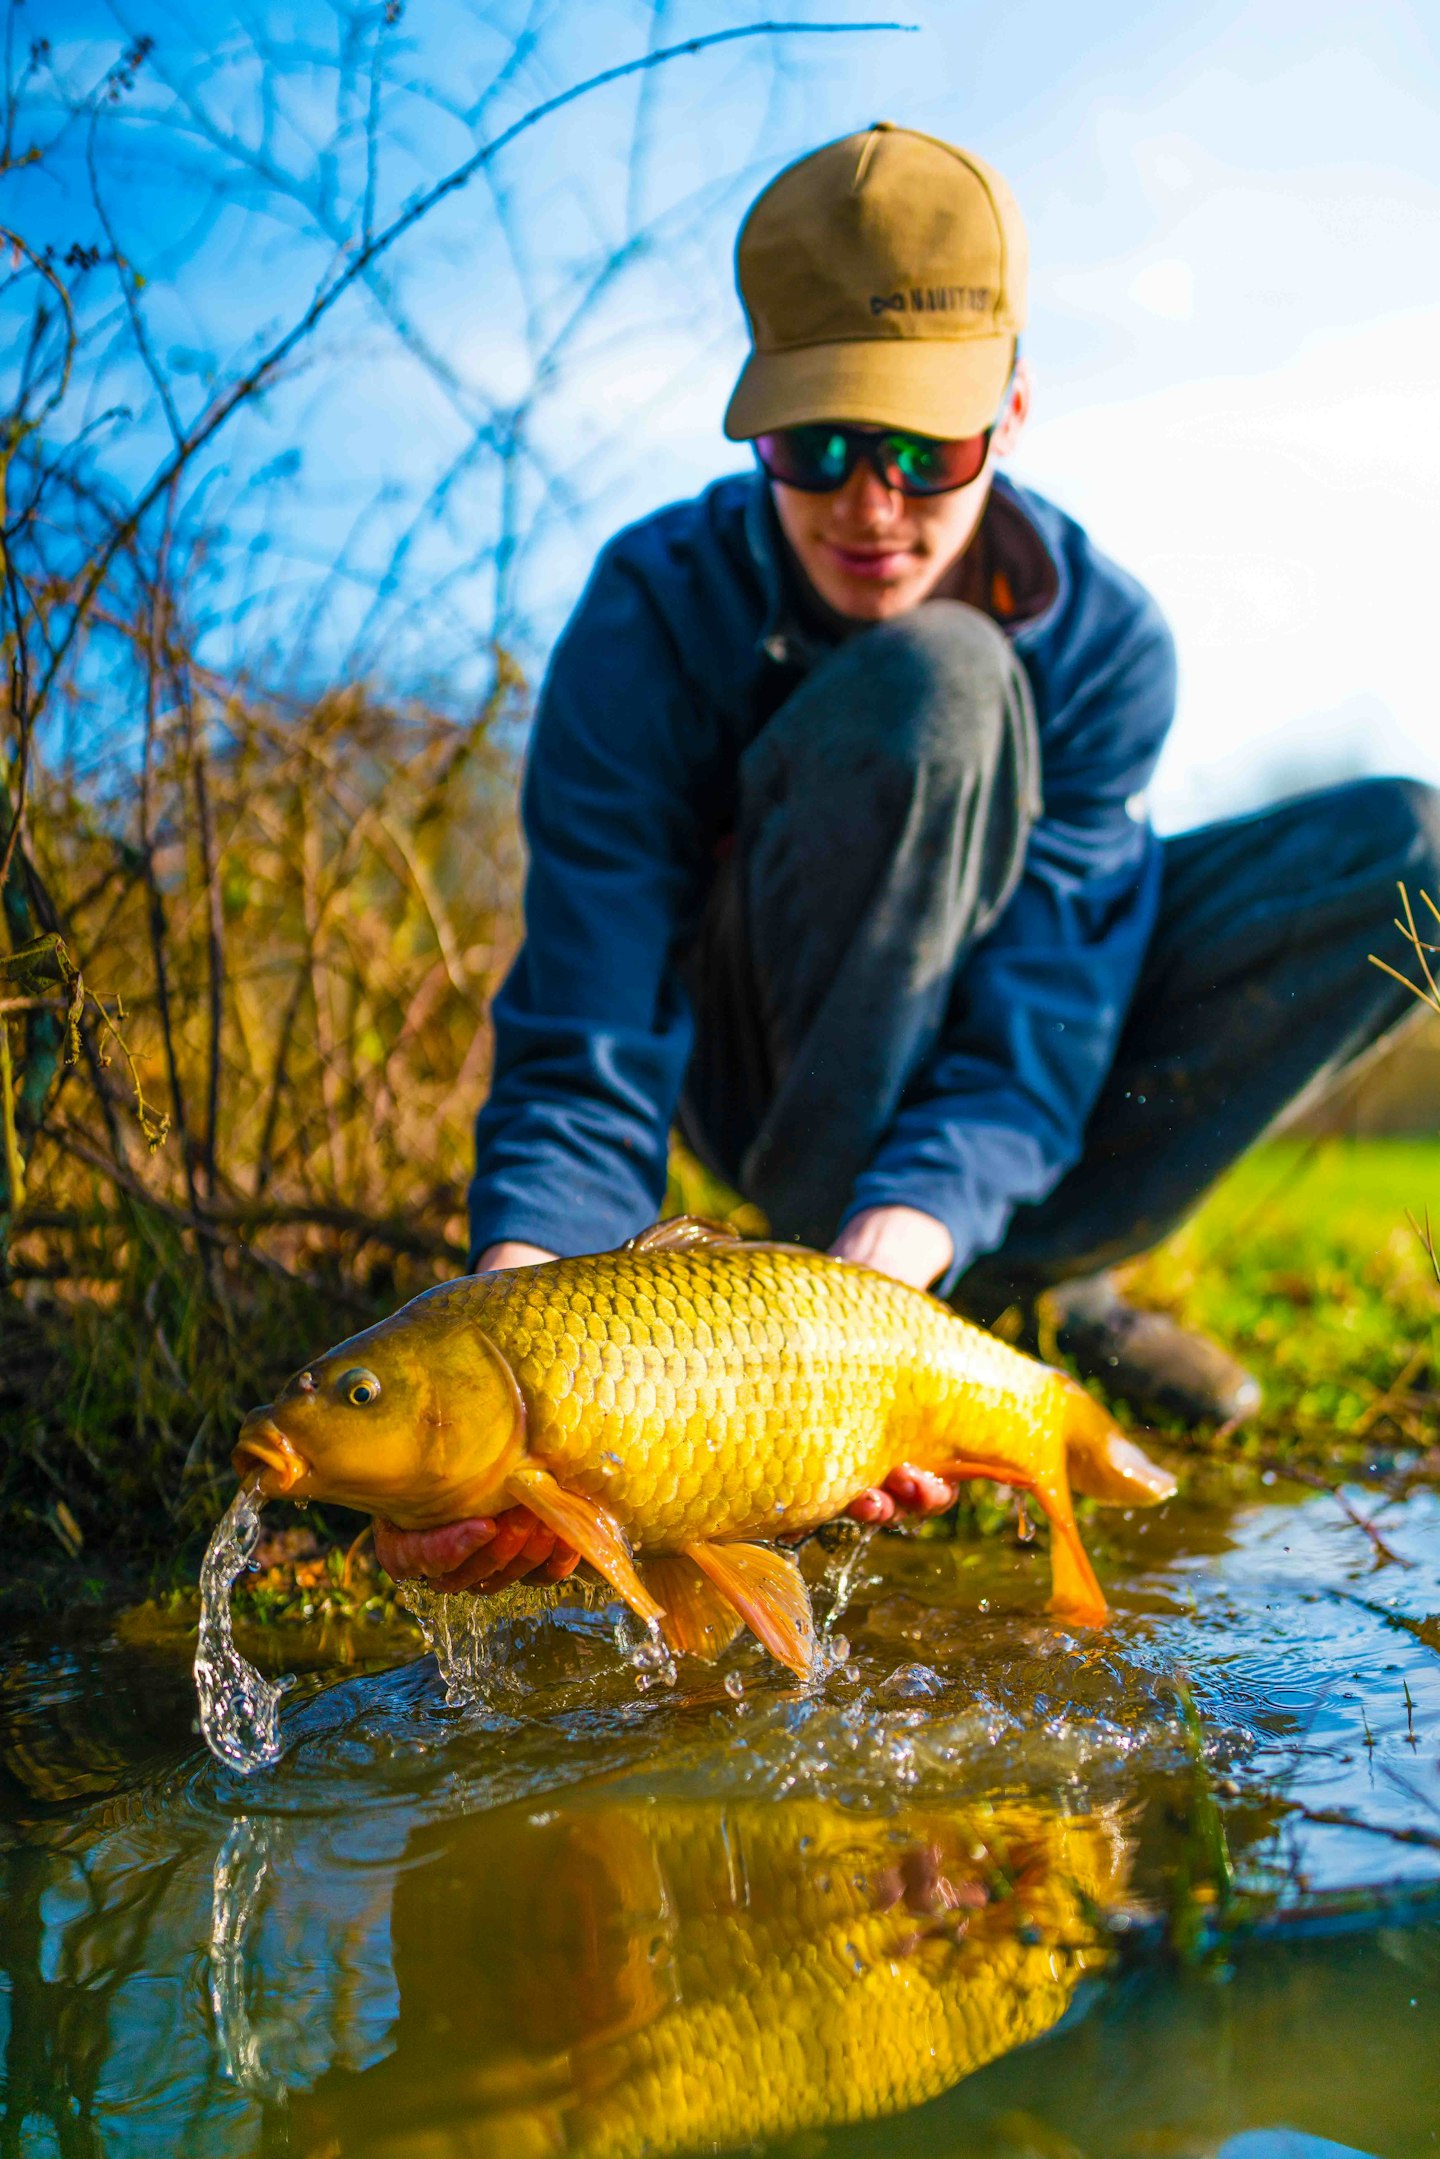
point(268, 1137)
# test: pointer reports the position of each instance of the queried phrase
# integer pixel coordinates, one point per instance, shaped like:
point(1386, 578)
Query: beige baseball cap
point(883, 279)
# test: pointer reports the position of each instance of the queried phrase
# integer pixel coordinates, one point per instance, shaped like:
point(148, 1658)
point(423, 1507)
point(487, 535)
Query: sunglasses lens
point(925, 465)
point(814, 458)
point(821, 458)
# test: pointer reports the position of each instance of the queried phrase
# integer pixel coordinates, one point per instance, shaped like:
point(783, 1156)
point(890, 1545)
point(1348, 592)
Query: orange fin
point(682, 1233)
point(697, 1621)
point(595, 1534)
point(1074, 1592)
point(765, 1588)
point(1102, 1462)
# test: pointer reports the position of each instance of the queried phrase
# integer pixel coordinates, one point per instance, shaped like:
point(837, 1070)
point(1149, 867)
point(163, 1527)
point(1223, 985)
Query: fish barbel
point(668, 1407)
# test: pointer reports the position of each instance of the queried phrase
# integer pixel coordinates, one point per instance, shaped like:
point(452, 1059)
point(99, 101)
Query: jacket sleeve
point(998, 1114)
point(592, 1031)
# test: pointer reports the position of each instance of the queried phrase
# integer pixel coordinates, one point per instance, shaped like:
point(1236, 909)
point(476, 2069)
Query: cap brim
point(933, 386)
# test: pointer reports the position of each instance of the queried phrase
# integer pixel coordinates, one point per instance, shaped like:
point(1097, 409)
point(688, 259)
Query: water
point(991, 1890)
point(239, 1709)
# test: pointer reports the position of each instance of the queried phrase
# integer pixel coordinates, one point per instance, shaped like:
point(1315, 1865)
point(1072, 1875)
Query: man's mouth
point(876, 562)
point(264, 1450)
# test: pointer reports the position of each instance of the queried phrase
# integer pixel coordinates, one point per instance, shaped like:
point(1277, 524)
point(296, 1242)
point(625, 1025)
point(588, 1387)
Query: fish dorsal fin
point(683, 1233)
point(765, 1588)
point(698, 1621)
point(593, 1531)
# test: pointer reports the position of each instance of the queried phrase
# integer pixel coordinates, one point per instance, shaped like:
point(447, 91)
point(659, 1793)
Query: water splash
point(471, 1637)
point(654, 1666)
point(239, 1707)
point(847, 1544)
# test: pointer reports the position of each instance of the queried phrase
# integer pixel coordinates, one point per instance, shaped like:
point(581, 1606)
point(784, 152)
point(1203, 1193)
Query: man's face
point(872, 553)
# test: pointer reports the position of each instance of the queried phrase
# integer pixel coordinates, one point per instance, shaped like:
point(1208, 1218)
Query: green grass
point(1302, 1261)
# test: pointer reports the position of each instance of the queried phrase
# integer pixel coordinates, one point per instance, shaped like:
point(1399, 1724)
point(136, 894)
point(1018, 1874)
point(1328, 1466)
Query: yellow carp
point(665, 1406)
point(630, 1980)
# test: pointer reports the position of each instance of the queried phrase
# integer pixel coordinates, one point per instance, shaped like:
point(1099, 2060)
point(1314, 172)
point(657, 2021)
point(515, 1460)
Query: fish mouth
point(264, 1449)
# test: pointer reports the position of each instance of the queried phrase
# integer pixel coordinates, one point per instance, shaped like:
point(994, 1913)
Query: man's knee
point(937, 684)
point(938, 693)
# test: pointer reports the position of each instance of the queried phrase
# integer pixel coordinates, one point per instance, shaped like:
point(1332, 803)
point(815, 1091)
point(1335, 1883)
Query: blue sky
point(1235, 224)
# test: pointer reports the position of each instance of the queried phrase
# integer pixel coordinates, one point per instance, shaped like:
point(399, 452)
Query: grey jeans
point(883, 818)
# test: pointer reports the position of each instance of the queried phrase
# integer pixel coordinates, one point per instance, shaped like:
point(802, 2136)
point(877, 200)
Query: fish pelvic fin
point(1102, 1463)
point(697, 1619)
point(591, 1528)
point(766, 1589)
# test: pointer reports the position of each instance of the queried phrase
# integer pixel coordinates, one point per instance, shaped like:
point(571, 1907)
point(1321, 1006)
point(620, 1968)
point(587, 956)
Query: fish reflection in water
point(658, 1977)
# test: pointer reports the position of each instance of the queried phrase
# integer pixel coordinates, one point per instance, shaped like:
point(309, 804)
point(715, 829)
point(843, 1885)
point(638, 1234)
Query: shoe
point(1162, 1370)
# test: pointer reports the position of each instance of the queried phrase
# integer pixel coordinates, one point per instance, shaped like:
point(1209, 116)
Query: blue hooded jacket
point(683, 643)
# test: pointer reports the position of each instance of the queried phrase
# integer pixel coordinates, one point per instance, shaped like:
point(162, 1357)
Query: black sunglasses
point(821, 456)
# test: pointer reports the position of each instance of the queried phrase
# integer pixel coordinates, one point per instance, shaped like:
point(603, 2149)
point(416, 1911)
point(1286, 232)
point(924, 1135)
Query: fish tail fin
point(696, 1619)
point(766, 1589)
point(1101, 1462)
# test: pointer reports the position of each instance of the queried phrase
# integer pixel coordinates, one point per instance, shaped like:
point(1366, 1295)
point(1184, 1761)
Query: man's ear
point(1009, 429)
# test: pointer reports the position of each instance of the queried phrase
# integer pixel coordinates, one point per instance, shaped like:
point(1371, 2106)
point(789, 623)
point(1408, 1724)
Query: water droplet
point(734, 1686)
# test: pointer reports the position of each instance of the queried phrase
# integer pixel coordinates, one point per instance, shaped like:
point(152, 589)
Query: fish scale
point(815, 1369)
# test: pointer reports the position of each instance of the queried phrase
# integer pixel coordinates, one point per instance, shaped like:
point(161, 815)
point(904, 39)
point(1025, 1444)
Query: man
point(838, 850)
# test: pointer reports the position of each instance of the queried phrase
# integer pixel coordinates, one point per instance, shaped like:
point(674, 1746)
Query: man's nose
point(865, 499)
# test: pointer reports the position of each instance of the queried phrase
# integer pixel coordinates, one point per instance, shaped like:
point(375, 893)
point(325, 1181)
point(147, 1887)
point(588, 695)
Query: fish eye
point(359, 1387)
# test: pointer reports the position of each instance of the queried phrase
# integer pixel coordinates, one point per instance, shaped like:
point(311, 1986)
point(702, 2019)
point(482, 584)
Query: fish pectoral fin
point(594, 1532)
point(682, 1233)
point(697, 1620)
point(766, 1589)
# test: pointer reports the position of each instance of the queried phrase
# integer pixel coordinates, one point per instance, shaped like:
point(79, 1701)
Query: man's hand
point(905, 1490)
point(487, 1552)
point(898, 1241)
point(510, 1252)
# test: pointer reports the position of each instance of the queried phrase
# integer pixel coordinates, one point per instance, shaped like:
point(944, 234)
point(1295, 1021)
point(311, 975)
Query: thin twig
point(265, 369)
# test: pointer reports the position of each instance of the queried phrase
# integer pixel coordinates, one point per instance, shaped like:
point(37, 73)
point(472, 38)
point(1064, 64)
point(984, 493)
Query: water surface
point(995, 1888)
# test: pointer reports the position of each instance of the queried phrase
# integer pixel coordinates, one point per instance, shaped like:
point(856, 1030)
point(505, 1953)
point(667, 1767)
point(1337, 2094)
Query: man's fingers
point(920, 1491)
point(404, 1553)
point(534, 1553)
point(468, 1576)
point(873, 1505)
point(485, 1553)
point(513, 1531)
